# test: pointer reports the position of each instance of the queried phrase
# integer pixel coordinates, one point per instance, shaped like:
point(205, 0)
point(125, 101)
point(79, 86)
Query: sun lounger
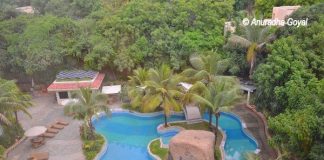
point(52, 130)
point(62, 122)
point(39, 156)
point(57, 126)
point(38, 144)
point(48, 135)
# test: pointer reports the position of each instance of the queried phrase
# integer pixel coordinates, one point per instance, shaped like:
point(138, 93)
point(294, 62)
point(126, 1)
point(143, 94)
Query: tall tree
point(161, 90)
point(205, 68)
point(12, 100)
point(222, 93)
point(136, 87)
point(88, 104)
point(253, 40)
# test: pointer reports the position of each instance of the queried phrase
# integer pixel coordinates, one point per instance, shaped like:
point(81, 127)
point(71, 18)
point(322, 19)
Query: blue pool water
point(166, 137)
point(128, 135)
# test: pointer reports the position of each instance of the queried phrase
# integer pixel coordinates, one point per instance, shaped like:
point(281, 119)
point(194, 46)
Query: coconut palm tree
point(89, 103)
point(222, 93)
point(136, 86)
point(12, 100)
point(205, 68)
point(162, 90)
point(254, 39)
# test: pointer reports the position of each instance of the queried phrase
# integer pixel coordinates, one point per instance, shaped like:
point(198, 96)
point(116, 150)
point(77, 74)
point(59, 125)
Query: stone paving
point(66, 145)
point(256, 128)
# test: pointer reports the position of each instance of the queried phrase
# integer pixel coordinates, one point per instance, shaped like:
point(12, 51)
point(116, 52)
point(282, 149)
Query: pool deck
point(65, 145)
point(255, 126)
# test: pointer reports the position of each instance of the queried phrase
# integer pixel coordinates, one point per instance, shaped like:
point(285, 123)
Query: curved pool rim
point(242, 124)
point(153, 114)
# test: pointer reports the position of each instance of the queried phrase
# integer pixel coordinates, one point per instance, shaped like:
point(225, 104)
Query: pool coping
point(244, 128)
point(149, 149)
point(222, 145)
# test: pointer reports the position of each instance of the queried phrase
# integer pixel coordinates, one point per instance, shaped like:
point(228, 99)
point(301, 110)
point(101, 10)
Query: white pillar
point(248, 98)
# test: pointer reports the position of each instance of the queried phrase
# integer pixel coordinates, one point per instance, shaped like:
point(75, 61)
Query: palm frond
point(235, 40)
point(196, 62)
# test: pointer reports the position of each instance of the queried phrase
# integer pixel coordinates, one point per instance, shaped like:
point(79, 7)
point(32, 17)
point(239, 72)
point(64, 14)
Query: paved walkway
point(66, 145)
point(256, 128)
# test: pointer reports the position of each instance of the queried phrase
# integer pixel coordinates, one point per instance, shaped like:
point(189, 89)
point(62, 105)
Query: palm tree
point(136, 87)
point(161, 90)
point(253, 40)
point(89, 103)
point(12, 100)
point(222, 93)
point(205, 68)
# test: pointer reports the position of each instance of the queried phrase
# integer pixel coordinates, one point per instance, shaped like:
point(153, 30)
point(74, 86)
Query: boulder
point(192, 145)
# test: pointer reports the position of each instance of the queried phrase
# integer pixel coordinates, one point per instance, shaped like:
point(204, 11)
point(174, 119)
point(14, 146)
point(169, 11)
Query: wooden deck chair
point(39, 156)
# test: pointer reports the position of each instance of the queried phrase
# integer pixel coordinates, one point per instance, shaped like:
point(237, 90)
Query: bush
point(11, 134)
point(91, 146)
point(217, 154)
point(2, 150)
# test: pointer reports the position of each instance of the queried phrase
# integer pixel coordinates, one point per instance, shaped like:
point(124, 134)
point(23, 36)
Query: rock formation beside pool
point(192, 145)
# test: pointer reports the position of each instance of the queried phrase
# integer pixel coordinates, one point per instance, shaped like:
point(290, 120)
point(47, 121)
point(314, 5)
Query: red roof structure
point(282, 12)
point(75, 85)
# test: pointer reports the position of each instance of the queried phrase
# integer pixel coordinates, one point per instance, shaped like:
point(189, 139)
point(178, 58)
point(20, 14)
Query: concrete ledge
point(5, 154)
point(155, 157)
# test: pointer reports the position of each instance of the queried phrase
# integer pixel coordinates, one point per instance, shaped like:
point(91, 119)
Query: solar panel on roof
point(76, 74)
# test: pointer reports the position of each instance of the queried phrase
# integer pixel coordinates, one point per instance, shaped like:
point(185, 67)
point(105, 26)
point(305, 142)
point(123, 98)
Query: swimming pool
point(128, 135)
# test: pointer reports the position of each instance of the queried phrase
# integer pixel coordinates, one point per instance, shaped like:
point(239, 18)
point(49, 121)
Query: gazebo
point(69, 81)
point(249, 88)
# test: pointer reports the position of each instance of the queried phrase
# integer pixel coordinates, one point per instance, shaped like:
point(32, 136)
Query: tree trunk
point(91, 129)
point(216, 129)
point(165, 120)
point(210, 118)
point(251, 67)
point(16, 117)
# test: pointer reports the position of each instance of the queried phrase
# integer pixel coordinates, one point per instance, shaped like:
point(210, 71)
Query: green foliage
point(252, 41)
point(289, 75)
point(169, 31)
point(2, 150)
point(89, 103)
point(12, 100)
point(294, 131)
point(217, 154)
point(72, 8)
point(161, 90)
point(91, 147)
point(11, 134)
point(290, 83)
point(264, 7)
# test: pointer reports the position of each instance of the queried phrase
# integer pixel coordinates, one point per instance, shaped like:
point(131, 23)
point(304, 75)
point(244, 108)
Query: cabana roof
point(75, 84)
point(248, 88)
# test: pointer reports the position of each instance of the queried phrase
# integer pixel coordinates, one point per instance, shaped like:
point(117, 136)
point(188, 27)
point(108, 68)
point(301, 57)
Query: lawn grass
point(157, 150)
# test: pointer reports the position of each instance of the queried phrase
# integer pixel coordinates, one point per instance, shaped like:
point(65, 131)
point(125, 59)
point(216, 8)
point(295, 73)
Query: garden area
point(150, 47)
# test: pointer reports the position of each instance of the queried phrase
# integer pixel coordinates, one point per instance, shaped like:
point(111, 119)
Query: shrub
point(91, 147)
point(11, 134)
